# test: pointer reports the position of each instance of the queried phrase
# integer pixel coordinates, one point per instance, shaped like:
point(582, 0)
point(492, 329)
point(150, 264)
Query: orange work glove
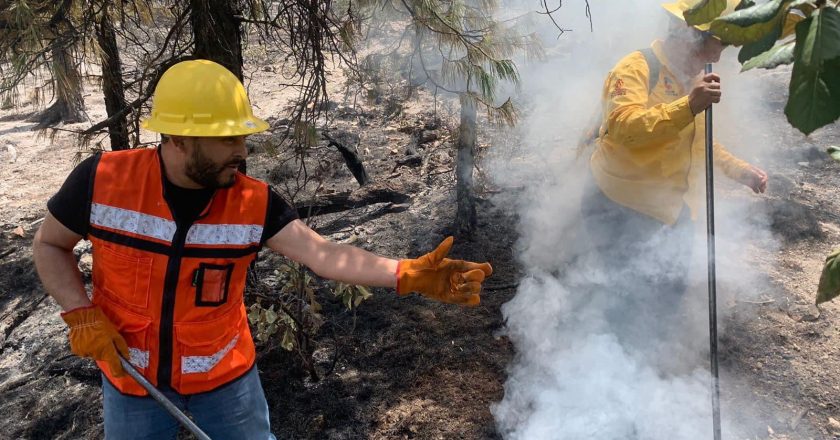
point(442, 279)
point(93, 335)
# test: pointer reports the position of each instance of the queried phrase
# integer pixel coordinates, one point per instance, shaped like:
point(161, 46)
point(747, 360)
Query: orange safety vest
point(174, 290)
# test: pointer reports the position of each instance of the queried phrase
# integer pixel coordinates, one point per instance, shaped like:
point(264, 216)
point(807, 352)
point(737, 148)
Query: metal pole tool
point(710, 241)
point(163, 401)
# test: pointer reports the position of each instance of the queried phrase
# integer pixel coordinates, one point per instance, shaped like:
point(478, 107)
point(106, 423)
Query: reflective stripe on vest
point(149, 226)
point(173, 289)
point(203, 364)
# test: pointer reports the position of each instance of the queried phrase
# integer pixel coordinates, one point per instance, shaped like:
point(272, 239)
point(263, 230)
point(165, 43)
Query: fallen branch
point(338, 225)
point(367, 195)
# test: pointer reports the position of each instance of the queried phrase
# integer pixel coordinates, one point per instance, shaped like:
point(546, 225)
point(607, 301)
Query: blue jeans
point(237, 410)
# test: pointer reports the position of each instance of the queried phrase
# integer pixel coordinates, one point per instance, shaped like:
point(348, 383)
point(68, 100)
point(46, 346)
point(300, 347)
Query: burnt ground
point(410, 368)
point(405, 367)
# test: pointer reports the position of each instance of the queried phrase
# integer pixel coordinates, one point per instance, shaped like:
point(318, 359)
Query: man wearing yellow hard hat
point(173, 231)
point(647, 170)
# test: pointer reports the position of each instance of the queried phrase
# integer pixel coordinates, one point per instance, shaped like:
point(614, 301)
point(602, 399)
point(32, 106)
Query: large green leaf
point(814, 99)
point(704, 12)
point(754, 49)
point(829, 286)
point(821, 39)
point(778, 55)
point(751, 24)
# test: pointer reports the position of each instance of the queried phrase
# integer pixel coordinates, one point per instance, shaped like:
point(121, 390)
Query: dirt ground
point(406, 367)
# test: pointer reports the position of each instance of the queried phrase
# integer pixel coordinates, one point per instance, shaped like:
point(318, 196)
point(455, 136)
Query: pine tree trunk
point(69, 105)
point(112, 84)
point(218, 36)
point(217, 33)
point(466, 218)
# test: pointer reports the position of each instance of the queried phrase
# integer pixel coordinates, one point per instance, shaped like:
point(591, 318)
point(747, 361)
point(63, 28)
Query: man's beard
point(206, 173)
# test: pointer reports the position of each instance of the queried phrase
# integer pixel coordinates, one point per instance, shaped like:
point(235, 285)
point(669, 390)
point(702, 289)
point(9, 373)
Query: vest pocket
point(212, 283)
point(208, 350)
point(125, 278)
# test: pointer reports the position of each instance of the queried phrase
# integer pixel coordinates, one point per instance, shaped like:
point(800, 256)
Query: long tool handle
point(163, 401)
point(710, 240)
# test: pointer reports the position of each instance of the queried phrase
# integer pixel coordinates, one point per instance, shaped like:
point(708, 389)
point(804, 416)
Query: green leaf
point(704, 12)
point(270, 316)
point(814, 98)
point(288, 341)
point(834, 152)
point(829, 286)
point(754, 49)
point(365, 293)
point(287, 320)
point(745, 4)
point(778, 55)
point(822, 40)
point(751, 24)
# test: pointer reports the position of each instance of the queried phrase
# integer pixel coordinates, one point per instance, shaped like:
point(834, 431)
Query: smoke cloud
point(580, 371)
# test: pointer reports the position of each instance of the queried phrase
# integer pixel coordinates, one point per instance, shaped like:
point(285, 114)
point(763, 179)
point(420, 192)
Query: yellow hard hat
point(678, 7)
point(203, 99)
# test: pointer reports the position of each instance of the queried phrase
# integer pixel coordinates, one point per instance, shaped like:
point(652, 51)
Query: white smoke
point(575, 376)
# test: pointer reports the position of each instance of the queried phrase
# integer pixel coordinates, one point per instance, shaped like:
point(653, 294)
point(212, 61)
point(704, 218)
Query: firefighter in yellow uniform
point(647, 172)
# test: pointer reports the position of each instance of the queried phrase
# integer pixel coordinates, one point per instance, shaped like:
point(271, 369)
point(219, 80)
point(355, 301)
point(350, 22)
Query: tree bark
point(218, 36)
point(466, 218)
point(217, 33)
point(69, 105)
point(112, 84)
point(351, 158)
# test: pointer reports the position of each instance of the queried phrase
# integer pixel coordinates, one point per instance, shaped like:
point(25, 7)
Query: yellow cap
point(678, 7)
point(203, 99)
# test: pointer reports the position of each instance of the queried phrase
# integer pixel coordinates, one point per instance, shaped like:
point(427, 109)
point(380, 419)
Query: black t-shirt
point(69, 205)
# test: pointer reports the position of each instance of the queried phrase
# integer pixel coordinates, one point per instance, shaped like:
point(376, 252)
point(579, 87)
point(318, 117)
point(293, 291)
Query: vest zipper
point(167, 313)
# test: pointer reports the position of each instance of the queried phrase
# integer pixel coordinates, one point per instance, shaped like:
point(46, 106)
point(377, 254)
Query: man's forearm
point(352, 265)
point(60, 275)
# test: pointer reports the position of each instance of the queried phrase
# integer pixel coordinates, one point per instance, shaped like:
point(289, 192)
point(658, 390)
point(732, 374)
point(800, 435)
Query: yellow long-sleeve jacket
point(650, 152)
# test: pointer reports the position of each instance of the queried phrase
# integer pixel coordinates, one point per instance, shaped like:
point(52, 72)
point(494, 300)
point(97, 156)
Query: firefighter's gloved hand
point(442, 279)
point(705, 92)
point(93, 335)
point(755, 178)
